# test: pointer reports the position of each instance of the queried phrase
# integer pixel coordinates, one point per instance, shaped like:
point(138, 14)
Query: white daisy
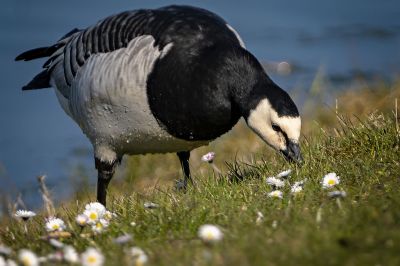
point(2, 261)
point(55, 224)
point(274, 224)
point(208, 158)
point(275, 182)
point(210, 233)
point(123, 239)
point(139, 256)
point(284, 173)
point(109, 215)
point(330, 180)
point(28, 258)
point(296, 189)
point(24, 215)
point(260, 218)
point(100, 226)
point(81, 220)
point(300, 183)
point(70, 254)
point(275, 194)
point(96, 206)
point(55, 243)
point(92, 257)
point(54, 257)
point(298, 186)
point(94, 212)
point(93, 216)
point(141, 260)
point(136, 251)
point(150, 205)
point(337, 194)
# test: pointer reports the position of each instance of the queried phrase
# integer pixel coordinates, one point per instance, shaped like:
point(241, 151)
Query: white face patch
point(290, 125)
point(264, 116)
point(237, 35)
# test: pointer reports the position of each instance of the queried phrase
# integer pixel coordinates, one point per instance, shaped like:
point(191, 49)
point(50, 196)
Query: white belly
point(108, 100)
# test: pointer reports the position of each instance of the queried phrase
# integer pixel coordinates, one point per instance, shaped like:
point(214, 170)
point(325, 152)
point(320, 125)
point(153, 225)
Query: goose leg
point(184, 159)
point(105, 173)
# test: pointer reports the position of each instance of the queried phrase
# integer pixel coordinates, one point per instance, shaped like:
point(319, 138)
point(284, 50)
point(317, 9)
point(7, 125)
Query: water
point(36, 137)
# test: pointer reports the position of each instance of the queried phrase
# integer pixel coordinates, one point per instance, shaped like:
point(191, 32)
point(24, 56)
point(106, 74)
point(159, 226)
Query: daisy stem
point(339, 203)
point(318, 217)
point(287, 211)
point(215, 168)
point(25, 228)
point(207, 254)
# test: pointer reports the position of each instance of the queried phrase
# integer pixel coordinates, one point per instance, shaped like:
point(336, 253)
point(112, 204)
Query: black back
point(166, 25)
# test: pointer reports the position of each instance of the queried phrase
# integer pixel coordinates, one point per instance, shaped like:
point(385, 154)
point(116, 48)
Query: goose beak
point(293, 153)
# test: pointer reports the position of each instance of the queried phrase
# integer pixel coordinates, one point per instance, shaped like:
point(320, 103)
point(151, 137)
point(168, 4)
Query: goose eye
point(276, 128)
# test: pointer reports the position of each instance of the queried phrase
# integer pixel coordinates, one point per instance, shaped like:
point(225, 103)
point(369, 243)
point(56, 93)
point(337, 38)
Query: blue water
point(36, 137)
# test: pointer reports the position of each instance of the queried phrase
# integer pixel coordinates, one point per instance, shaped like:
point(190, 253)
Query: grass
point(308, 228)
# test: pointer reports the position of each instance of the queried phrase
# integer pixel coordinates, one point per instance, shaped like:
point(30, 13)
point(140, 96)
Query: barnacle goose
point(163, 80)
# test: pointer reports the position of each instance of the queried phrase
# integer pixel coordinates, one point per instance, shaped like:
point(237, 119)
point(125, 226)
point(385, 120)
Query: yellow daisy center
point(91, 259)
point(55, 226)
point(331, 182)
point(209, 235)
point(26, 261)
point(93, 216)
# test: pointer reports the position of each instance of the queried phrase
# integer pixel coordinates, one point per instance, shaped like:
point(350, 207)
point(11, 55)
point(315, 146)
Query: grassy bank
point(306, 228)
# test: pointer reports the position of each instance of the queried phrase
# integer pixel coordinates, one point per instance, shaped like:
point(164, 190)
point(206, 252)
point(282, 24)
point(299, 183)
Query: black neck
point(248, 84)
point(246, 80)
